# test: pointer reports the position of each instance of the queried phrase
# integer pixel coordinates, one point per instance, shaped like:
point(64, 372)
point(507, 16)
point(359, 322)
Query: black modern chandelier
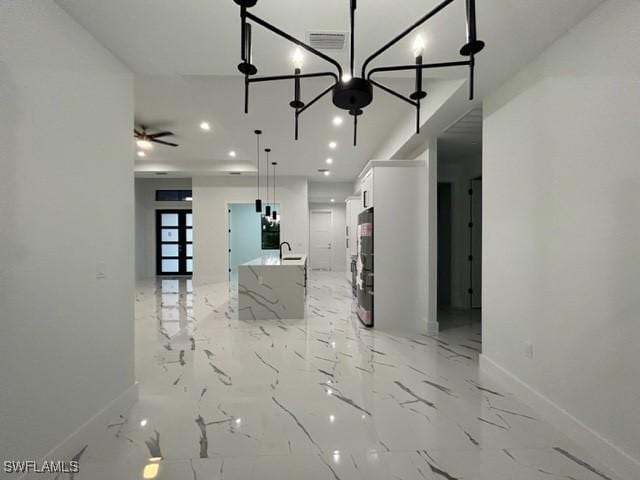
point(350, 92)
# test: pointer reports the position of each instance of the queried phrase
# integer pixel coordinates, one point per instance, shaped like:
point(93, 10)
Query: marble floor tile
point(315, 398)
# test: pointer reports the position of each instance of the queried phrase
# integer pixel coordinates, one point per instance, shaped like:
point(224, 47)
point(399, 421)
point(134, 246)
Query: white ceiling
point(185, 55)
point(180, 103)
point(463, 139)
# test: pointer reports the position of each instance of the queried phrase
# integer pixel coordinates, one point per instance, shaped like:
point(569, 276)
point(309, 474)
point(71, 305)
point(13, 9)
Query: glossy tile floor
point(320, 398)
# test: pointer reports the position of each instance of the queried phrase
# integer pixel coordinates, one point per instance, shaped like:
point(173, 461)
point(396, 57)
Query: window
point(270, 234)
point(173, 195)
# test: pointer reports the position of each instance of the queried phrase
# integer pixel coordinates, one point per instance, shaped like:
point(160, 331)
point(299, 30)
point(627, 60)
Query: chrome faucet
point(284, 243)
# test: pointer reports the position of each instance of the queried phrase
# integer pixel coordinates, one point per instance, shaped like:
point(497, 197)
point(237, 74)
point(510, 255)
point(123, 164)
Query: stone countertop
point(290, 259)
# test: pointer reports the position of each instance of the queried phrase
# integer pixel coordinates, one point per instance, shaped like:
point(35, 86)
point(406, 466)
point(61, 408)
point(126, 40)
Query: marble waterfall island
point(271, 288)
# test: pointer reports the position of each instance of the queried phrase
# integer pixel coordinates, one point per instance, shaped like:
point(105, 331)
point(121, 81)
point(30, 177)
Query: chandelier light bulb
point(333, 145)
point(337, 121)
point(346, 78)
point(418, 45)
point(297, 58)
point(329, 161)
point(327, 173)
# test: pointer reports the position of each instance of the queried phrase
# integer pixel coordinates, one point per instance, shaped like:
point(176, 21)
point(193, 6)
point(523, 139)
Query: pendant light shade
point(274, 214)
point(258, 199)
point(267, 209)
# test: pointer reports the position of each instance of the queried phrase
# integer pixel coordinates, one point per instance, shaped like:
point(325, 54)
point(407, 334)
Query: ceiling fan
point(145, 140)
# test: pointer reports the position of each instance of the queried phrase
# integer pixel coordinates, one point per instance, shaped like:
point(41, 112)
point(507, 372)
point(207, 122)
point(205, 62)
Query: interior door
point(476, 243)
point(174, 242)
point(321, 226)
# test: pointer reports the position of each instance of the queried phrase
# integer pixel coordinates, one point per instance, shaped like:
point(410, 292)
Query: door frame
point(330, 212)
point(182, 241)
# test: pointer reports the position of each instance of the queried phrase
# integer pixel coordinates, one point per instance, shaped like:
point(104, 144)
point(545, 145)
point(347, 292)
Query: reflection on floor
point(320, 398)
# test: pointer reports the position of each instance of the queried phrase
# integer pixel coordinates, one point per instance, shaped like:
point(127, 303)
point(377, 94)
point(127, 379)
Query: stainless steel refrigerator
point(365, 277)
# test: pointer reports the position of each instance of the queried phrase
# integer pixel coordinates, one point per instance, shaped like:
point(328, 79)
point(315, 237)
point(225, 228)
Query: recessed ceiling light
point(327, 173)
point(143, 422)
point(333, 145)
point(337, 121)
point(141, 154)
point(205, 126)
point(329, 161)
point(333, 200)
point(232, 154)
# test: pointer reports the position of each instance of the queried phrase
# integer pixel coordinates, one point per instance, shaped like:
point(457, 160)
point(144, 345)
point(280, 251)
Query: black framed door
point(174, 242)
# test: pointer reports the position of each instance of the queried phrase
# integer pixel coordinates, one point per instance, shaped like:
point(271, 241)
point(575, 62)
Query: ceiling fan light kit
point(146, 140)
point(350, 92)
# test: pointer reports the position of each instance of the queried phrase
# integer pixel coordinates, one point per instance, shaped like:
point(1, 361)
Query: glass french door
point(174, 242)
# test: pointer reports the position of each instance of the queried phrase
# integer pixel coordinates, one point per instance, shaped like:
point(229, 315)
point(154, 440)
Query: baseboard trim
point(602, 449)
point(72, 444)
point(432, 328)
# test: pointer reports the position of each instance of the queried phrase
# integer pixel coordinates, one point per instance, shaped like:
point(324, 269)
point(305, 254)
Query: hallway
point(320, 398)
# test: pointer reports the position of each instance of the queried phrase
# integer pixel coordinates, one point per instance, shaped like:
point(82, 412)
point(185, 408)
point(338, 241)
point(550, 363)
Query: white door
point(321, 221)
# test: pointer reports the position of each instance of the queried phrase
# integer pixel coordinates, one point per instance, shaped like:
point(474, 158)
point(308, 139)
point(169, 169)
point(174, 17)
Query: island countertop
point(291, 259)
point(271, 288)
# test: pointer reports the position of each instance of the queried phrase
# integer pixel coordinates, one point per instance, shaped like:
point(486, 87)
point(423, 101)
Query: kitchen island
point(271, 288)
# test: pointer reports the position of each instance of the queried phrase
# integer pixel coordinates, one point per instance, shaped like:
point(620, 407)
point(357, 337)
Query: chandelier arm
point(289, 77)
point(394, 93)
point(318, 97)
point(353, 38)
point(355, 130)
point(246, 94)
point(292, 39)
point(399, 68)
point(472, 65)
point(403, 34)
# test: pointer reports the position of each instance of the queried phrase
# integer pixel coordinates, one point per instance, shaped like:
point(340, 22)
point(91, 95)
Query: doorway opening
point(321, 227)
point(459, 220)
point(174, 242)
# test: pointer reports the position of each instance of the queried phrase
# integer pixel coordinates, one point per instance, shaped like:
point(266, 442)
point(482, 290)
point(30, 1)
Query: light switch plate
point(101, 270)
point(528, 350)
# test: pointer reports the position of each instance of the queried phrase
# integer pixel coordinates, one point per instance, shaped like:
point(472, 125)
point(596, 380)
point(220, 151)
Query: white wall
point(400, 213)
point(561, 227)
point(145, 224)
point(210, 218)
point(66, 190)
point(338, 233)
point(323, 192)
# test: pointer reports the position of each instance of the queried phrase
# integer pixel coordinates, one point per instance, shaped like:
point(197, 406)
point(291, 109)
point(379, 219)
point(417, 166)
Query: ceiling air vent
point(327, 40)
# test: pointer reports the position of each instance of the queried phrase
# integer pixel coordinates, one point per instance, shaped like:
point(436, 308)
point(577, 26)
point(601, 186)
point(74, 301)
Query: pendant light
point(267, 209)
point(274, 213)
point(258, 200)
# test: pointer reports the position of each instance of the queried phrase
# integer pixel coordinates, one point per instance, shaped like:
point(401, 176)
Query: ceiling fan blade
point(161, 134)
point(164, 143)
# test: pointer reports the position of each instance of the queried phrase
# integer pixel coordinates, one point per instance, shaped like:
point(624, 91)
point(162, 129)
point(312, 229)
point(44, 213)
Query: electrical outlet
point(528, 350)
point(101, 270)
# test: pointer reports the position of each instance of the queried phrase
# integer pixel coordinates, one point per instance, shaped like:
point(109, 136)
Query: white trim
point(71, 445)
point(330, 212)
point(389, 163)
point(602, 449)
